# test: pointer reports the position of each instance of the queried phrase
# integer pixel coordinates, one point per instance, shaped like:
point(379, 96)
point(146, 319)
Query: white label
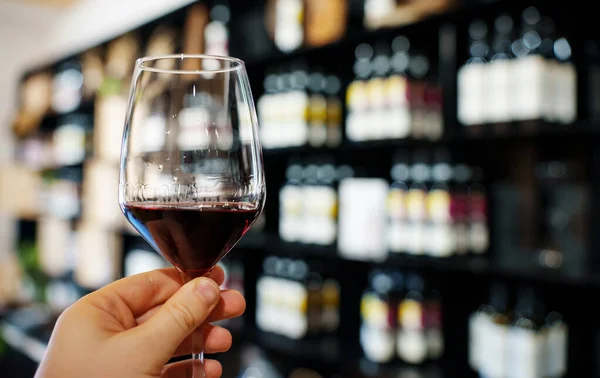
point(398, 122)
point(98, 257)
point(291, 218)
point(377, 343)
point(141, 261)
point(397, 236)
point(194, 133)
point(412, 345)
point(476, 321)
point(527, 101)
point(440, 239)
point(549, 94)
point(493, 349)
point(415, 237)
point(556, 351)
point(109, 127)
point(362, 219)
point(524, 353)
point(470, 94)
point(566, 93)
point(479, 237)
point(497, 104)
point(289, 32)
point(69, 145)
point(54, 238)
point(155, 129)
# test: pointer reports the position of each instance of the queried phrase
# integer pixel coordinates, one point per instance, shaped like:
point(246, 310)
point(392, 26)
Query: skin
point(132, 327)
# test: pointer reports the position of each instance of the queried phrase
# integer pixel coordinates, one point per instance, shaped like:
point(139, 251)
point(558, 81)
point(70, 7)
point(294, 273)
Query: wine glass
point(192, 179)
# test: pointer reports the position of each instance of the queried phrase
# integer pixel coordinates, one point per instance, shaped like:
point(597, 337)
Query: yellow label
point(355, 92)
point(415, 202)
point(376, 89)
point(396, 203)
point(334, 112)
point(374, 310)
point(396, 89)
point(318, 109)
point(438, 203)
point(410, 314)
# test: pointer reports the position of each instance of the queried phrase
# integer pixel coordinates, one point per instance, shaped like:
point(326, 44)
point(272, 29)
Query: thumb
point(185, 311)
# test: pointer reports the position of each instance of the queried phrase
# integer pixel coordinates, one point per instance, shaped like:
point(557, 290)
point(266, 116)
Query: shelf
point(515, 131)
point(470, 264)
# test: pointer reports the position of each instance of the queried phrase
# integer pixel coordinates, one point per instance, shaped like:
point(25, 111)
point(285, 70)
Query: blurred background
point(433, 177)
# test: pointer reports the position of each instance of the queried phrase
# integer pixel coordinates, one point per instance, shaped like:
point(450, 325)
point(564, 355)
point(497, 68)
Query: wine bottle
point(499, 71)
point(289, 24)
point(357, 101)
point(420, 173)
point(265, 105)
point(317, 134)
point(397, 214)
point(378, 328)
point(471, 77)
point(291, 205)
point(418, 70)
point(334, 112)
point(412, 343)
point(526, 342)
point(529, 69)
point(378, 106)
point(440, 240)
point(397, 90)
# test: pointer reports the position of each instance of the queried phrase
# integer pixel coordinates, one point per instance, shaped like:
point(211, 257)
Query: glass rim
point(140, 63)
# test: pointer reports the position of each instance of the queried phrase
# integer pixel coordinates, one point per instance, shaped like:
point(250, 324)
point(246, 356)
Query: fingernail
point(207, 289)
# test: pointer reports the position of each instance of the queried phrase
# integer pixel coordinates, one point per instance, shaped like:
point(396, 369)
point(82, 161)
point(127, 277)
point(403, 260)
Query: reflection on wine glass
point(192, 180)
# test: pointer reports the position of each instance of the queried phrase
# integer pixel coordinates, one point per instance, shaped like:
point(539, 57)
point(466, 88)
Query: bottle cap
point(478, 29)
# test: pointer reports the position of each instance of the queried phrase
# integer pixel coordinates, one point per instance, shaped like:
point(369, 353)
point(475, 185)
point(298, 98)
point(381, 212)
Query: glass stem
point(198, 353)
point(197, 342)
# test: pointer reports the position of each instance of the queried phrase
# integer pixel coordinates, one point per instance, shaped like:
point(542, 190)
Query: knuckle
point(183, 316)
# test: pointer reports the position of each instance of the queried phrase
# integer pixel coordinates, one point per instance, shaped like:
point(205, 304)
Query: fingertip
point(208, 290)
point(237, 299)
point(213, 368)
point(217, 274)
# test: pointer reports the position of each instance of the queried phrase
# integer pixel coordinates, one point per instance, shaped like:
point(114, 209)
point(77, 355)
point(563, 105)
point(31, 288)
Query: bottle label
point(375, 312)
point(470, 94)
point(566, 93)
point(498, 109)
point(438, 205)
point(524, 355)
point(378, 344)
point(556, 345)
point(493, 349)
point(527, 102)
point(194, 133)
point(410, 314)
point(357, 95)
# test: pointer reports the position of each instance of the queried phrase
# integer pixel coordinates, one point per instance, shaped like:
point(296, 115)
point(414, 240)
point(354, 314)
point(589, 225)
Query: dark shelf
point(510, 132)
point(469, 264)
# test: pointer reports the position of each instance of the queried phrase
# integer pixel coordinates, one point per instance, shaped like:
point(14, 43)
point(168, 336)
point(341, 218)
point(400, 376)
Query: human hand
point(134, 326)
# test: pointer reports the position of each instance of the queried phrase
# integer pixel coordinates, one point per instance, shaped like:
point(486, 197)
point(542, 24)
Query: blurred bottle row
point(519, 68)
point(300, 106)
point(395, 94)
point(297, 299)
point(522, 339)
point(433, 206)
point(401, 319)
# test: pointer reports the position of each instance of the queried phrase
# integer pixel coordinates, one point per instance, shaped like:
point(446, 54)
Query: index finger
point(142, 292)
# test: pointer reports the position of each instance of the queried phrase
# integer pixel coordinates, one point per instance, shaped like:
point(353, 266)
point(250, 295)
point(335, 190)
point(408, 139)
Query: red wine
point(192, 237)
